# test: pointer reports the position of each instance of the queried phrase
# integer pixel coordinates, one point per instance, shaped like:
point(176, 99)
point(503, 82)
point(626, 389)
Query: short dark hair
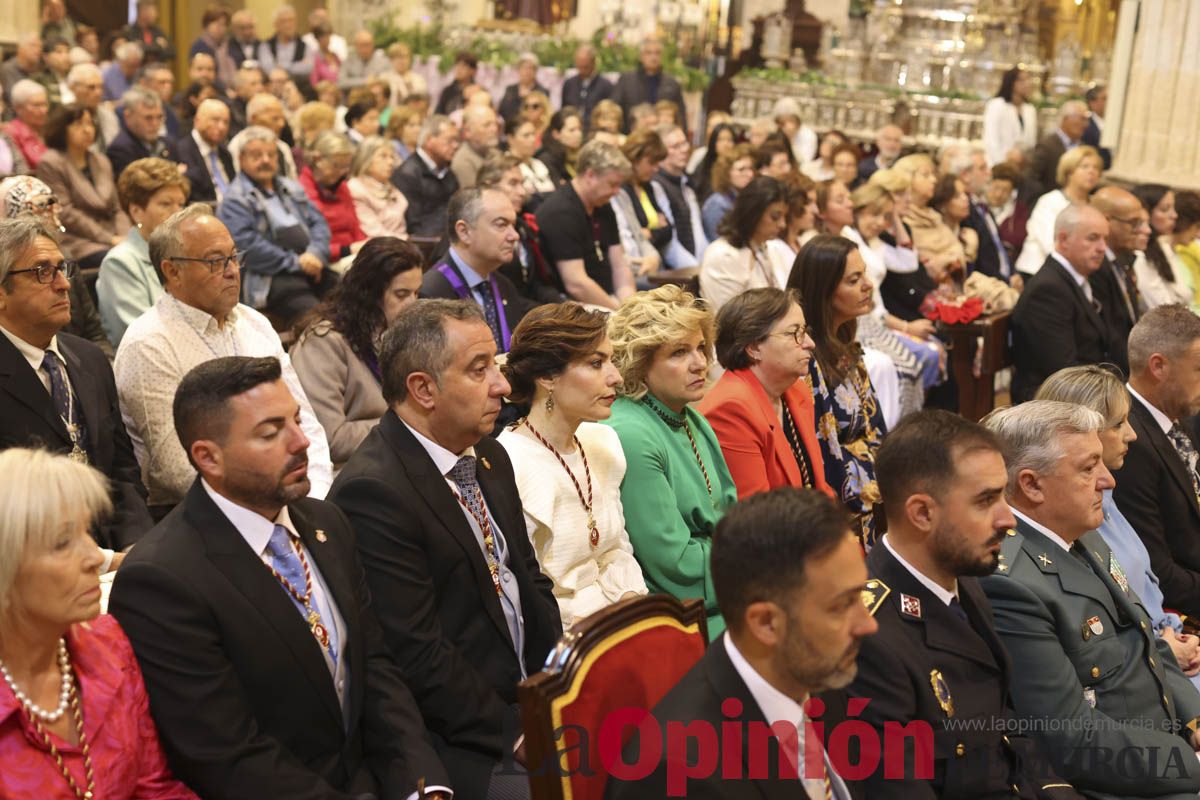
point(205, 391)
point(746, 319)
point(751, 203)
point(356, 112)
point(61, 118)
point(212, 14)
point(766, 153)
point(1093, 92)
point(494, 168)
point(763, 544)
point(416, 342)
point(1006, 172)
point(548, 340)
point(466, 57)
point(919, 454)
point(944, 191)
point(1187, 206)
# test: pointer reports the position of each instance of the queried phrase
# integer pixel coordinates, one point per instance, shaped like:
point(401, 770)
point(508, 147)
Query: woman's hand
point(920, 328)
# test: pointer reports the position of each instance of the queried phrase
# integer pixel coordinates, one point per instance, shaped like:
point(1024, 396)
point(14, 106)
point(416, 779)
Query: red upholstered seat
point(627, 656)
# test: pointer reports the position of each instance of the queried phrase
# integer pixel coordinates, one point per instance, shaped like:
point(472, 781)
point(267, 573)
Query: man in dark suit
point(509, 109)
point(970, 165)
point(1097, 102)
point(648, 84)
point(586, 87)
point(434, 505)
point(483, 238)
point(1058, 322)
point(451, 99)
point(789, 579)
point(889, 143)
point(247, 610)
point(1101, 693)
point(143, 116)
point(58, 390)
point(425, 177)
point(1158, 488)
point(204, 153)
point(936, 656)
point(1043, 167)
point(1115, 283)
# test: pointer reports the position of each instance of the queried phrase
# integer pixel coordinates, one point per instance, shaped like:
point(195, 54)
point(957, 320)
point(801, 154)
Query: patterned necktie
point(1187, 452)
point(286, 561)
point(218, 175)
point(65, 404)
point(463, 475)
point(492, 315)
point(1125, 261)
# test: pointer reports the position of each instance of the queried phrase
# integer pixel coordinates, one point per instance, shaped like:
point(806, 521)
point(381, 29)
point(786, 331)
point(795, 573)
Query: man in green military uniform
point(1106, 699)
point(936, 658)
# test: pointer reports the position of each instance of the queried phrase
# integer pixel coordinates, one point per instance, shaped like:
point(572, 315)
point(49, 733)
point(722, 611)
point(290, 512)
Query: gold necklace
point(77, 716)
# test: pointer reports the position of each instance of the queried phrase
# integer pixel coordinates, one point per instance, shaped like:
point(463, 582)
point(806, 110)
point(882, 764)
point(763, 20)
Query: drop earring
point(550, 402)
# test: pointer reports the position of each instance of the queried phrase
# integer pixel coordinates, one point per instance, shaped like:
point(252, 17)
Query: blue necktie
point(286, 561)
point(64, 402)
point(218, 176)
point(989, 222)
point(490, 312)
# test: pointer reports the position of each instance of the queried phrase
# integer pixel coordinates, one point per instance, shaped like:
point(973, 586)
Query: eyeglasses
point(797, 334)
point(1133, 223)
point(217, 264)
point(47, 273)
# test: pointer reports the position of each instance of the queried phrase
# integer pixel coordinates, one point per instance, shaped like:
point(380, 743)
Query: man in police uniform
point(1111, 708)
point(936, 658)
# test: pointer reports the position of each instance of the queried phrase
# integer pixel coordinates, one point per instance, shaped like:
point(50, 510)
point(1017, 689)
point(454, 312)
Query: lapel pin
point(1045, 561)
point(910, 606)
point(321, 537)
point(486, 464)
point(1093, 626)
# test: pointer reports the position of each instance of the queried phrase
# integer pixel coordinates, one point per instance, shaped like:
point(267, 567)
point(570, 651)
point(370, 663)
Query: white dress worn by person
point(586, 579)
point(1039, 236)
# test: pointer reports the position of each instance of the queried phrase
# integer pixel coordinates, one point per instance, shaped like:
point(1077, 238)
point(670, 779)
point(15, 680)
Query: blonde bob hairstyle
point(871, 197)
point(647, 321)
point(1095, 386)
point(894, 181)
point(42, 496)
point(909, 165)
point(1070, 161)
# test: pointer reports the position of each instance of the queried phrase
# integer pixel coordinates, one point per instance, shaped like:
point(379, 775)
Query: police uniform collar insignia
point(1000, 565)
point(942, 692)
point(321, 537)
point(873, 594)
point(910, 606)
point(1045, 560)
point(1118, 574)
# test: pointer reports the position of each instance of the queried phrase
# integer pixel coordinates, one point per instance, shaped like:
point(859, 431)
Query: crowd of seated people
point(462, 371)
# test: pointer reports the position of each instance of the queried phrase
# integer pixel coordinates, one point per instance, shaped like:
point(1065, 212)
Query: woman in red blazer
point(762, 408)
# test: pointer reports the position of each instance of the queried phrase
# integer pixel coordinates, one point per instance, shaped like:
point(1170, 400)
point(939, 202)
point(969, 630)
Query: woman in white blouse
point(739, 260)
point(1010, 123)
point(523, 143)
point(1162, 279)
point(1078, 173)
point(569, 469)
point(379, 205)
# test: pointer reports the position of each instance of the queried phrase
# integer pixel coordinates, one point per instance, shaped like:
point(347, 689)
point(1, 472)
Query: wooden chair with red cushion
point(626, 656)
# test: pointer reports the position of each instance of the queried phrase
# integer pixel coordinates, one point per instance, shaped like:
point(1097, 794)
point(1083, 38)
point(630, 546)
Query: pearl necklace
point(64, 693)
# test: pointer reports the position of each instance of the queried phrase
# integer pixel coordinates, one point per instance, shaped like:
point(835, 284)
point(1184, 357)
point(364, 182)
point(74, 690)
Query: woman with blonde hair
point(907, 282)
point(379, 205)
point(928, 229)
point(403, 128)
point(312, 120)
point(569, 468)
point(1100, 388)
point(607, 116)
point(76, 718)
point(677, 484)
point(1078, 173)
point(401, 78)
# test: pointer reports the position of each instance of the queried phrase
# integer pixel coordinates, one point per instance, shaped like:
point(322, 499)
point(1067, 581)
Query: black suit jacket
point(125, 149)
point(29, 420)
point(516, 306)
point(698, 697)
point(573, 94)
point(894, 669)
point(1043, 166)
point(1054, 326)
point(427, 195)
point(1155, 494)
point(987, 260)
point(435, 597)
point(203, 190)
point(1091, 135)
point(1106, 287)
point(239, 689)
point(510, 105)
point(633, 88)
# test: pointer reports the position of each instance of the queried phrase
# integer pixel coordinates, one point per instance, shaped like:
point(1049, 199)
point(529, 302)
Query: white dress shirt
point(1080, 281)
point(1042, 529)
point(158, 349)
point(205, 150)
point(1164, 422)
point(34, 355)
point(939, 591)
point(778, 707)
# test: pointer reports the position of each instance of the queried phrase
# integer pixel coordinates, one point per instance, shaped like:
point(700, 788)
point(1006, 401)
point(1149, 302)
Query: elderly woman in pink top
point(379, 204)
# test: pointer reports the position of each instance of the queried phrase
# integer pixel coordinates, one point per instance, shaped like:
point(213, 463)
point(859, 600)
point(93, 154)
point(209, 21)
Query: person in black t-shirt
point(579, 229)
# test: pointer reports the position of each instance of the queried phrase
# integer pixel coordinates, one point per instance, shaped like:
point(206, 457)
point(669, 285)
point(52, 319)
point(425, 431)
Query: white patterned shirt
point(158, 349)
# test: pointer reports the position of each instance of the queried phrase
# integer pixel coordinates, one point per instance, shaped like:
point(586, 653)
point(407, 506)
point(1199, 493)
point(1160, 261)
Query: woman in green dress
point(676, 484)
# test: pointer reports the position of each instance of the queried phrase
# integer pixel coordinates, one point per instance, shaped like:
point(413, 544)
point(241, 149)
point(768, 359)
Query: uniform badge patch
point(873, 594)
point(942, 692)
point(1090, 696)
point(910, 605)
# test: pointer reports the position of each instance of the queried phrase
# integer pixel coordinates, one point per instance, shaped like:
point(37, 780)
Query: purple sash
point(461, 289)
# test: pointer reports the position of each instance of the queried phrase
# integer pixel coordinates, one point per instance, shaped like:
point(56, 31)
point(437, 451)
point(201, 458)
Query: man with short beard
point(789, 576)
point(250, 617)
point(1103, 697)
point(937, 655)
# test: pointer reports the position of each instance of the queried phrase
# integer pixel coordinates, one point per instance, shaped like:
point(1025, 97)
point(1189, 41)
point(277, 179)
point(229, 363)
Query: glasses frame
point(1132, 223)
point(217, 265)
point(795, 334)
point(68, 268)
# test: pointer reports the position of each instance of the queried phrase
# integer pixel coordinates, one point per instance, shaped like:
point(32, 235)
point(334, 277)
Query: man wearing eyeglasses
point(198, 318)
point(1115, 283)
point(57, 390)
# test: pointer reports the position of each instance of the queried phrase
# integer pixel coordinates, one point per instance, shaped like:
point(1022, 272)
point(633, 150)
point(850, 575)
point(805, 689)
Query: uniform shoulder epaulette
point(1010, 548)
point(873, 595)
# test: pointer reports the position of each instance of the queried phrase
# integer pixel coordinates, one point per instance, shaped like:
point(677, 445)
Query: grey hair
point(466, 206)
point(1032, 432)
point(17, 235)
point(140, 97)
point(256, 133)
point(166, 240)
point(365, 152)
point(958, 157)
point(279, 12)
point(24, 91)
point(432, 126)
point(243, 76)
point(329, 144)
point(417, 342)
point(601, 158)
point(78, 71)
point(1069, 218)
point(667, 129)
point(128, 50)
point(260, 102)
point(1166, 330)
point(1073, 108)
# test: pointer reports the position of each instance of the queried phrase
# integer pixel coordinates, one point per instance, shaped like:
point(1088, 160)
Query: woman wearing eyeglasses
point(761, 409)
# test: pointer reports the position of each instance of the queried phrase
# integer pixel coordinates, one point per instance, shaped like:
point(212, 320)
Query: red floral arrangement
point(958, 311)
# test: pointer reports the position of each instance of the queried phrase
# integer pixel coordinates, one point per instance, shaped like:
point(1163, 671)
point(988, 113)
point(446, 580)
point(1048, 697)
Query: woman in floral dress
point(831, 278)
